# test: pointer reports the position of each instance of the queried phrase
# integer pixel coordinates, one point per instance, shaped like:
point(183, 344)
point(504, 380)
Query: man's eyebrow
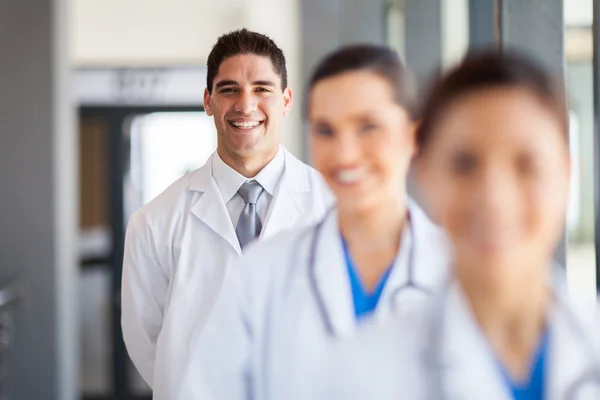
point(226, 83)
point(264, 83)
point(229, 82)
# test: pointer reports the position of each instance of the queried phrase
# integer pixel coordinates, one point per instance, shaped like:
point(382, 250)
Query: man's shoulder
point(171, 200)
point(314, 181)
point(298, 164)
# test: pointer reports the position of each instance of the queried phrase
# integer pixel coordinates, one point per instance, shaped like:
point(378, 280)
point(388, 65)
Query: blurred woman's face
point(497, 171)
point(362, 140)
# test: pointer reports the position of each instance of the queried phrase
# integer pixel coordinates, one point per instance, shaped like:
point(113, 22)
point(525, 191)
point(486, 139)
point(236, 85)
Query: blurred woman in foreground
point(494, 163)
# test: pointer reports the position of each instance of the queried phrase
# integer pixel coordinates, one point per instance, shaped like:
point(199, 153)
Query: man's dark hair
point(241, 42)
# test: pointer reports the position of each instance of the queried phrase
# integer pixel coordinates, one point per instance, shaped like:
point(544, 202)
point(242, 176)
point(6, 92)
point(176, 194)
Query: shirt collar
point(229, 180)
point(270, 176)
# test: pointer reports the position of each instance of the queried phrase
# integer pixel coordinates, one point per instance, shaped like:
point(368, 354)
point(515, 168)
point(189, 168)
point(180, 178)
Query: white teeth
point(245, 125)
point(350, 175)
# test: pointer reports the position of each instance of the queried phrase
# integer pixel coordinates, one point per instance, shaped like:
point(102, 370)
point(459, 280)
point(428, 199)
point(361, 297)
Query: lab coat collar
point(331, 278)
point(573, 347)
point(286, 206)
point(470, 369)
point(333, 281)
point(424, 259)
point(210, 207)
point(459, 349)
point(201, 179)
point(433, 253)
point(270, 176)
point(229, 180)
point(284, 211)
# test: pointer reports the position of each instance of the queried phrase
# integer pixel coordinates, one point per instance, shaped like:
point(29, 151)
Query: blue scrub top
point(532, 388)
point(364, 302)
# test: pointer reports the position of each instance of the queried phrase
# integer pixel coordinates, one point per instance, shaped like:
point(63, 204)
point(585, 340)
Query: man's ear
point(287, 100)
point(207, 107)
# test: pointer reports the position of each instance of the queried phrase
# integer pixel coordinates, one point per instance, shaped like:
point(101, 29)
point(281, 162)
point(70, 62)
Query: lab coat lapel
point(432, 251)
point(397, 295)
point(470, 370)
point(210, 206)
point(286, 206)
point(332, 281)
point(572, 353)
point(423, 260)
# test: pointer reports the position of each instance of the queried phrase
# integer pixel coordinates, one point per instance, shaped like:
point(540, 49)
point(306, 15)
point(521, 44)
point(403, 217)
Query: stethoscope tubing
point(312, 274)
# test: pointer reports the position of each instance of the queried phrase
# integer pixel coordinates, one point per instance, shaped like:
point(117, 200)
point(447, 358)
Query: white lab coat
point(178, 248)
point(388, 361)
point(267, 338)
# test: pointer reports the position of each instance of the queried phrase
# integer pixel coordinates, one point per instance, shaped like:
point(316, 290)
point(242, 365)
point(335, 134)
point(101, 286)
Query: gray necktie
point(249, 225)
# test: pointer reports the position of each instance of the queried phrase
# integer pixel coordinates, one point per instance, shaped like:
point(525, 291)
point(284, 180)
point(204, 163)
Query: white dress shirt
point(229, 181)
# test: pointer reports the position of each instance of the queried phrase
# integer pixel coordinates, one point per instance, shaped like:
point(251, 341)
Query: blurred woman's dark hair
point(491, 69)
point(380, 60)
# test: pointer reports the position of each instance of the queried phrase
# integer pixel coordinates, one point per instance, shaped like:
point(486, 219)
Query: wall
point(455, 31)
point(579, 84)
point(38, 197)
point(182, 32)
point(149, 32)
point(578, 12)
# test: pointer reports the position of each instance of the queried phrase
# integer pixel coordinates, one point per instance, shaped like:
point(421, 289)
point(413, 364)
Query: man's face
point(247, 104)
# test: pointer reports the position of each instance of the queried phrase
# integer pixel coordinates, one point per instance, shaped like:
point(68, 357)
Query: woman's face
point(496, 170)
point(362, 140)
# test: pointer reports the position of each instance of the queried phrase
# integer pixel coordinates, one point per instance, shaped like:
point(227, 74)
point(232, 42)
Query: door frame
point(116, 118)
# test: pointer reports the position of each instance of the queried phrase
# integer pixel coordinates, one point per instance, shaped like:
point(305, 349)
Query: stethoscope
point(409, 287)
point(437, 367)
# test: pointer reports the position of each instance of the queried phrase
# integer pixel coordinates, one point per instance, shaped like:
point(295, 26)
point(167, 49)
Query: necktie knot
point(250, 192)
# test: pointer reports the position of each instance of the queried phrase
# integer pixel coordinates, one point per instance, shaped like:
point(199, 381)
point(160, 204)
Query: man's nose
point(246, 103)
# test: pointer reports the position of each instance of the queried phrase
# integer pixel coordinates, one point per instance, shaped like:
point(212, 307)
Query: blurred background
point(101, 109)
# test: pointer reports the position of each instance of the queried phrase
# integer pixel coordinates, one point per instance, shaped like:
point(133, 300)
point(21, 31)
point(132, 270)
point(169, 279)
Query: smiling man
point(179, 246)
